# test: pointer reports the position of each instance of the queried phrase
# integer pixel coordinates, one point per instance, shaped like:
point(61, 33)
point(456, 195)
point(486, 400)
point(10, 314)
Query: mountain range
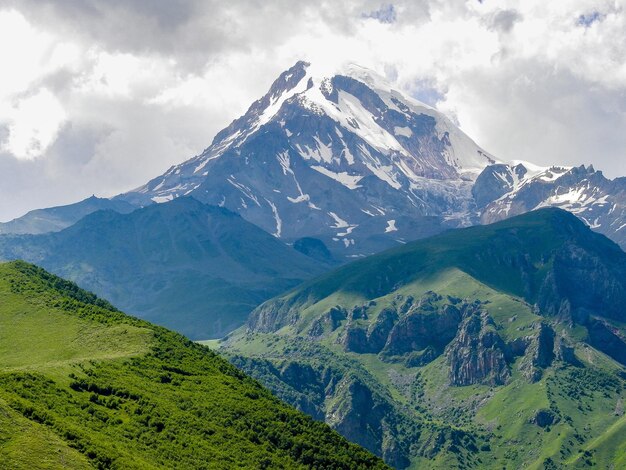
point(54, 219)
point(503, 191)
point(349, 160)
point(345, 159)
point(492, 346)
point(338, 167)
point(436, 306)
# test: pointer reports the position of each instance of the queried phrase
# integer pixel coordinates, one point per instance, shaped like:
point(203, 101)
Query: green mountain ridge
point(499, 346)
point(194, 268)
point(82, 385)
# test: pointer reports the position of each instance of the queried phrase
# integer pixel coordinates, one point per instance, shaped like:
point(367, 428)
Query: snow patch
point(349, 181)
point(244, 189)
point(274, 106)
point(339, 222)
point(279, 222)
point(347, 155)
point(161, 199)
point(384, 173)
point(301, 198)
point(324, 151)
point(285, 164)
point(391, 226)
point(404, 131)
point(342, 224)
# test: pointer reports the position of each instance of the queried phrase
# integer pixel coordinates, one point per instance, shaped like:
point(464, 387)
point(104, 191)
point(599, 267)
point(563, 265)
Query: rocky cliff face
point(328, 322)
point(349, 399)
point(429, 323)
point(539, 352)
point(477, 354)
point(413, 332)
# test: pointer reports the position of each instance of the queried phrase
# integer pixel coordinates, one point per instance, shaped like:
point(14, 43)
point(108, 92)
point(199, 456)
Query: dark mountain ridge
point(548, 257)
point(196, 268)
point(54, 219)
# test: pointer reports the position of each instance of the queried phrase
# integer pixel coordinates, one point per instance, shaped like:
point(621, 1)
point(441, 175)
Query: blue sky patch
point(385, 14)
point(588, 19)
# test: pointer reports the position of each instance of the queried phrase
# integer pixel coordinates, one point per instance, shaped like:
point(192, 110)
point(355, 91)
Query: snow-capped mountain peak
point(503, 191)
point(320, 147)
point(348, 158)
point(360, 102)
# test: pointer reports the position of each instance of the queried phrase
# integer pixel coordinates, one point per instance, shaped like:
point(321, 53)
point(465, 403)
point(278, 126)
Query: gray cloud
point(191, 31)
point(504, 20)
point(150, 83)
point(541, 115)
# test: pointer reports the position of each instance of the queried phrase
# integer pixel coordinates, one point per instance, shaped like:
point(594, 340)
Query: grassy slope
point(585, 398)
point(84, 385)
point(491, 254)
point(25, 445)
point(449, 265)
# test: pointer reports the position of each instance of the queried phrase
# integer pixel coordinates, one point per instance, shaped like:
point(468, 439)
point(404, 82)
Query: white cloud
point(24, 51)
point(116, 91)
point(33, 125)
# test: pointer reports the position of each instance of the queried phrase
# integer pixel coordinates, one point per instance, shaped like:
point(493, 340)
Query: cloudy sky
point(99, 96)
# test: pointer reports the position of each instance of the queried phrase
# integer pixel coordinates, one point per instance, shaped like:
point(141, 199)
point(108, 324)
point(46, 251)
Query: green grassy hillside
point(499, 346)
point(513, 256)
point(84, 386)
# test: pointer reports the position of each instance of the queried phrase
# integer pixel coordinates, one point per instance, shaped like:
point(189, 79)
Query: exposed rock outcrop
point(544, 418)
point(379, 330)
point(358, 413)
point(539, 353)
point(354, 339)
point(328, 322)
point(429, 322)
point(272, 316)
point(477, 354)
point(359, 312)
point(565, 352)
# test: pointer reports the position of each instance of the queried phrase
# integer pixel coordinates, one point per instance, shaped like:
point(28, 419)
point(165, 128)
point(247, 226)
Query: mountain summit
point(343, 158)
